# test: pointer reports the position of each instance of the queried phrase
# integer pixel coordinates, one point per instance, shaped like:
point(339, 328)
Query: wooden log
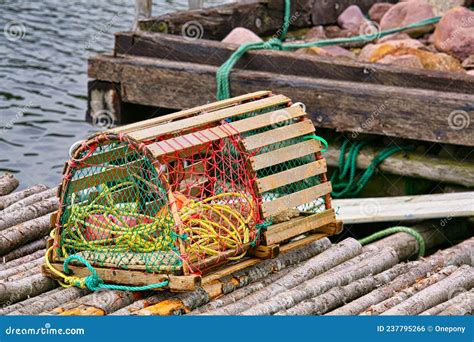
point(5, 274)
point(101, 303)
point(22, 233)
point(25, 274)
point(461, 309)
point(406, 293)
point(241, 293)
point(458, 298)
point(188, 84)
point(208, 52)
point(142, 303)
point(457, 255)
point(8, 183)
point(378, 262)
point(24, 250)
point(462, 278)
point(28, 213)
point(215, 286)
point(12, 292)
point(339, 295)
point(22, 260)
point(411, 164)
point(35, 198)
point(262, 17)
point(44, 301)
point(8, 200)
point(313, 267)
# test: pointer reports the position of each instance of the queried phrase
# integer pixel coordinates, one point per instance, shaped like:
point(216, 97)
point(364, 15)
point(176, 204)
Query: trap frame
point(161, 202)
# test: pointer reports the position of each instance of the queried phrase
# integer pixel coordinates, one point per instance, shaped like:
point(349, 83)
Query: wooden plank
point(215, 53)
point(295, 199)
point(413, 164)
point(301, 242)
point(112, 174)
point(286, 230)
point(211, 117)
point(134, 278)
point(210, 107)
point(281, 155)
point(405, 208)
point(204, 136)
point(278, 134)
point(106, 157)
point(264, 252)
point(292, 175)
point(346, 106)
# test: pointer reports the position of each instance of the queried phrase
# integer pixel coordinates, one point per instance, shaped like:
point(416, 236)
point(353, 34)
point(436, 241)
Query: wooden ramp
point(404, 208)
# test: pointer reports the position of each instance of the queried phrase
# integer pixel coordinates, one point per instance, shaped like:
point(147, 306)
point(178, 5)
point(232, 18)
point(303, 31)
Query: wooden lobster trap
point(166, 200)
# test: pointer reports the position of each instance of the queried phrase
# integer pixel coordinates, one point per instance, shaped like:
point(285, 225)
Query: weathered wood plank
point(295, 199)
point(403, 208)
point(285, 154)
point(292, 175)
point(215, 53)
point(345, 106)
point(286, 230)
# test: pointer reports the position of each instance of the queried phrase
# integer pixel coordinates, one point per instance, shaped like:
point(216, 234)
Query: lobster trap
point(164, 201)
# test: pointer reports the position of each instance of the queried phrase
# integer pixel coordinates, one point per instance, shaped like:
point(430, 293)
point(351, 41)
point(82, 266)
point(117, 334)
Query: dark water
point(44, 47)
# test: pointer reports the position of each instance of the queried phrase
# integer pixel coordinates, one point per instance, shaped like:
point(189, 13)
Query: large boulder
point(378, 10)
point(374, 52)
point(454, 34)
point(405, 13)
point(327, 51)
point(315, 33)
point(440, 7)
point(241, 35)
point(404, 61)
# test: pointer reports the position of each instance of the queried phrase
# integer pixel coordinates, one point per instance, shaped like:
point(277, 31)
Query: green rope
point(321, 139)
point(344, 180)
point(93, 282)
point(393, 230)
point(222, 75)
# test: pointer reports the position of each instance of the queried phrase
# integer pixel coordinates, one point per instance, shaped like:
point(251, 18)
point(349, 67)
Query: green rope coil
point(222, 75)
point(393, 230)
point(93, 282)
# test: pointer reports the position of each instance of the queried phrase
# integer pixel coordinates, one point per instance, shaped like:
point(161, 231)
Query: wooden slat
point(285, 154)
point(107, 156)
point(206, 118)
point(212, 134)
point(346, 106)
point(403, 208)
point(292, 175)
point(112, 174)
point(279, 134)
point(295, 199)
point(134, 278)
point(210, 107)
point(287, 230)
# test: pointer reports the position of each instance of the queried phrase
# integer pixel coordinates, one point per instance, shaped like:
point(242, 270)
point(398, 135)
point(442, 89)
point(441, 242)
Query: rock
point(440, 7)
point(468, 63)
point(374, 52)
point(429, 60)
point(328, 51)
point(378, 10)
point(454, 33)
point(351, 18)
point(405, 13)
point(405, 61)
point(315, 33)
point(470, 72)
point(241, 35)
